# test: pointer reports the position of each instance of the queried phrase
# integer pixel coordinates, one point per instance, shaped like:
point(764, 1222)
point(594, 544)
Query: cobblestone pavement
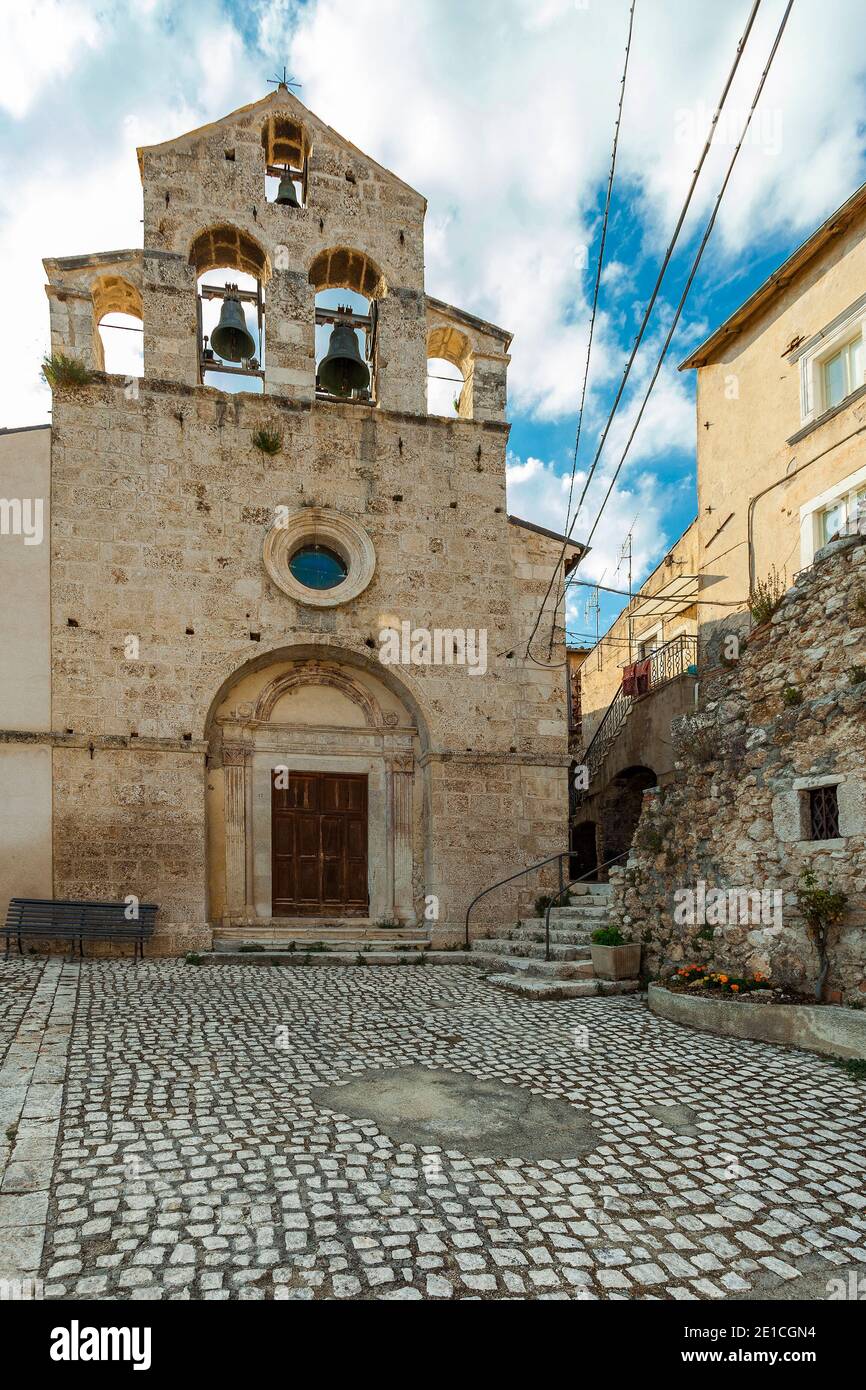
point(196, 1161)
point(19, 977)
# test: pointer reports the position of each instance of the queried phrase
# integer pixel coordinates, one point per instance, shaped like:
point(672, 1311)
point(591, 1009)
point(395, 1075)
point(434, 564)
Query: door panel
point(319, 839)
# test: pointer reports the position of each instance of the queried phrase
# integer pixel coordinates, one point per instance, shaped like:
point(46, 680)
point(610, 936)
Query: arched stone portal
point(621, 808)
point(315, 804)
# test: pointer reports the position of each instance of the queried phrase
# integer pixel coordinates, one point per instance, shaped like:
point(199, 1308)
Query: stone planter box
point(616, 962)
point(824, 1028)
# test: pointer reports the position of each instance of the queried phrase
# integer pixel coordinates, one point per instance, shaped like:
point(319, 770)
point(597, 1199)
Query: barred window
point(823, 814)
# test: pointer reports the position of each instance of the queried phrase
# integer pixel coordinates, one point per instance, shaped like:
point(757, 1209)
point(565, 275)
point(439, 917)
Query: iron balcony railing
point(678, 657)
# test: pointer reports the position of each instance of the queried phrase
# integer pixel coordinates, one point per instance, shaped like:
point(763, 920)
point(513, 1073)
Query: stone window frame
point(319, 525)
point(802, 787)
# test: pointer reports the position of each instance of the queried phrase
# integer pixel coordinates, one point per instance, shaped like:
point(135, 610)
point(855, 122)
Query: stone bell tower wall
point(361, 229)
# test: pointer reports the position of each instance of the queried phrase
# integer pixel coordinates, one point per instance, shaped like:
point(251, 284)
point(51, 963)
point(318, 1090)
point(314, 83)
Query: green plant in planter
point(791, 696)
point(766, 596)
point(608, 936)
point(267, 441)
point(61, 370)
point(822, 908)
point(541, 904)
point(192, 958)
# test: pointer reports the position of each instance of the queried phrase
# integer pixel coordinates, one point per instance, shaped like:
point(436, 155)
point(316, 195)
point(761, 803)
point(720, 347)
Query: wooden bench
point(58, 920)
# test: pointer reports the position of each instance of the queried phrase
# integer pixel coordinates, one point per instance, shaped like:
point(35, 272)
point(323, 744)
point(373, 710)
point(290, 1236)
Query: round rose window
point(317, 567)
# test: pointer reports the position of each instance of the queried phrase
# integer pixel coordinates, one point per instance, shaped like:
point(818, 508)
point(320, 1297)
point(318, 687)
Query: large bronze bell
point(342, 370)
point(231, 339)
point(286, 194)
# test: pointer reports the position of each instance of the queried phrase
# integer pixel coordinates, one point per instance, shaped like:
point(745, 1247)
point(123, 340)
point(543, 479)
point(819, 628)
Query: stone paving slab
point(31, 1096)
point(199, 1157)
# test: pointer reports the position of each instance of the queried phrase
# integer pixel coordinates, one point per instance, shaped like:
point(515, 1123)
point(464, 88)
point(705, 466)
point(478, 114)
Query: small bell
point(231, 339)
point(342, 369)
point(286, 194)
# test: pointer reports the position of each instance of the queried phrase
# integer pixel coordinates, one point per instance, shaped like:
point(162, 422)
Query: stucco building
point(781, 470)
point(201, 710)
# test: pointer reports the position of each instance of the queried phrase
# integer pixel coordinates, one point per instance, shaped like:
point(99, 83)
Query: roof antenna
point(283, 81)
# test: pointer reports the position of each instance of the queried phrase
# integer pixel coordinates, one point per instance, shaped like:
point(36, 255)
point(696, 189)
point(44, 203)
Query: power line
point(600, 259)
point(647, 312)
point(696, 262)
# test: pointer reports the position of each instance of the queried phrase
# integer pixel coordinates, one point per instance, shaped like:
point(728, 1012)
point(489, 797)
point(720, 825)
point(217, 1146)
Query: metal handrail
point(666, 663)
point(566, 888)
point(617, 711)
point(564, 854)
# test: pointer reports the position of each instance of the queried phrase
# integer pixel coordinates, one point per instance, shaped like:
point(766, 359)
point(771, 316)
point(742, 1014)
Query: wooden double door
point(319, 844)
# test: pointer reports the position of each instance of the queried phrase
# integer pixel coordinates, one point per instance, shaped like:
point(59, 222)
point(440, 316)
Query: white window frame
point(641, 637)
point(811, 537)
point(813, 398)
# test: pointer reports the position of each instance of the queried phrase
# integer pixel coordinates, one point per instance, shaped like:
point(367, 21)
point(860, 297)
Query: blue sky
point(501, 112)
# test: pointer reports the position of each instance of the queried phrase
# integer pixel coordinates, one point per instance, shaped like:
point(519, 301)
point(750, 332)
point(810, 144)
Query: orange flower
point(735, 988)
point(723, 979)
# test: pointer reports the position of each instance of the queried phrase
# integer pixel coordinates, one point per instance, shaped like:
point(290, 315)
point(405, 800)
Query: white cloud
point(42, 42)
point(501, 112)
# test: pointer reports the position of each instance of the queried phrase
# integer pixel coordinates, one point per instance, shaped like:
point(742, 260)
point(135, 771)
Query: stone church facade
point(186, 719)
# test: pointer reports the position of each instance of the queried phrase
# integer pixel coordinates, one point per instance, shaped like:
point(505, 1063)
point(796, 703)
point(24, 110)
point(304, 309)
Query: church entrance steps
point(345, 933)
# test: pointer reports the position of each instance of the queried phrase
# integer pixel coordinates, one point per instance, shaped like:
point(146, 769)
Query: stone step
point(529, 965)
point(535, 987)
point(592, 890)
point(531, 949)
point(531, 987)
point(337, 956)
point(231, 938)
point(316, 945)
point(562, 936)
point(579, 911)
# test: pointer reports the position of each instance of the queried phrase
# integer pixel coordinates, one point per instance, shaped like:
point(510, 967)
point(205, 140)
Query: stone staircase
point(311, 941)
point(513, 957)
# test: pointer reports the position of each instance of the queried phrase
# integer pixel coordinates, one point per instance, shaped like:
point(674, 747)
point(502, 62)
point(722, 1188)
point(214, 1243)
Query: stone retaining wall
point(788, 715)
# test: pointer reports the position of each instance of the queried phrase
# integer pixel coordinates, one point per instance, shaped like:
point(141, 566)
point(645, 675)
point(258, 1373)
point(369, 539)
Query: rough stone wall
point(735, 815)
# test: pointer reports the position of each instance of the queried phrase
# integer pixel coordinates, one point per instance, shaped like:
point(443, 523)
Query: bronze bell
point(231, 339)
point(342, 370)
point(286, 193)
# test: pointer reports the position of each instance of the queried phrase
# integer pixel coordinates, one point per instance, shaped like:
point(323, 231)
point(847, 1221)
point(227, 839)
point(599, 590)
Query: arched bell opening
point(286, 149)
point(231, 273)
point(119, 330)
point(121, 345)
point(348, 286)
point(344, 345)
point(449, 358)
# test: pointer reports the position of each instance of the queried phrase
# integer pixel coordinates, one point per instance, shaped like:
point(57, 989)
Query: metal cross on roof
point(283, 81)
